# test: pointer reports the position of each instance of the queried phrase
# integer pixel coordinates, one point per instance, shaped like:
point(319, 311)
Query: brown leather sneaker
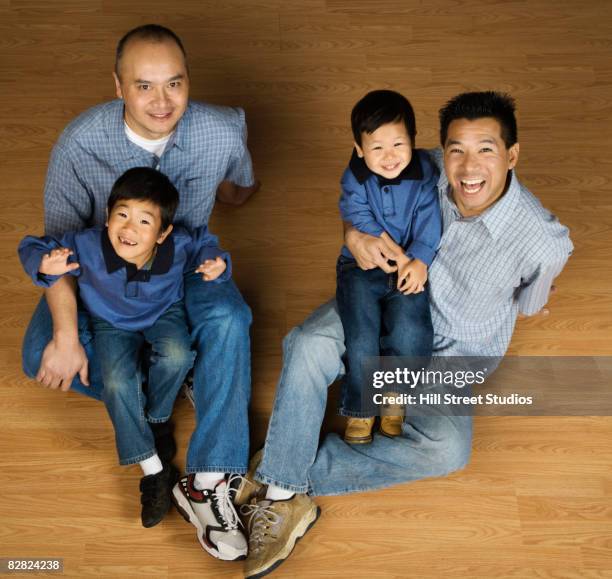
point(359, 430)
point(274, 529)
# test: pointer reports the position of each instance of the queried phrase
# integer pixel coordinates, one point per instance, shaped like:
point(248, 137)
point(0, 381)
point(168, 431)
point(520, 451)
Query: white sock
point(275, 493)
point(207, 480)
point(151, 465)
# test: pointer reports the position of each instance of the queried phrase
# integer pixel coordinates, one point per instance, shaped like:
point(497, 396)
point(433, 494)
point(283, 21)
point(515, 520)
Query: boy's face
point(134, 228)
point(477, 162)
point(386, 151)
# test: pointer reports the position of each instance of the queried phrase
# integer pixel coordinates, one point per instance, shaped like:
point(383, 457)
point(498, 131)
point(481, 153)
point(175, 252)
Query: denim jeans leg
point(312, 360)
point(406, 326)
point(429, 446)
point(171, 359)
point(219, 320)
point(358, 295)
point(40, 332)
point(119, 353)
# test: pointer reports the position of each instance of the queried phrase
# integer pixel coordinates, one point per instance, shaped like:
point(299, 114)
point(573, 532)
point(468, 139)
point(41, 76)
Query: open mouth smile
point(127, 242)
point(161, 116)
point(472, 186)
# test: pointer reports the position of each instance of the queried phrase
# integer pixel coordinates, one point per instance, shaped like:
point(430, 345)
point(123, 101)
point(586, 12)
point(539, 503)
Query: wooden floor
point(536, 499)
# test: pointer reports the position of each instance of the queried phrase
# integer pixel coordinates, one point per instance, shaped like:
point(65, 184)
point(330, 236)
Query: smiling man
point(202, 149)
point(499, 254)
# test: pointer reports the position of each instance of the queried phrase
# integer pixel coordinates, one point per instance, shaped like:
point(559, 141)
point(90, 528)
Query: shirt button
point(386, 189)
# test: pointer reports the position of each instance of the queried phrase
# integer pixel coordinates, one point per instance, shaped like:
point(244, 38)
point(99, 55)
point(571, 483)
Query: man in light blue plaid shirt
point(203, 150)
point(499, 254)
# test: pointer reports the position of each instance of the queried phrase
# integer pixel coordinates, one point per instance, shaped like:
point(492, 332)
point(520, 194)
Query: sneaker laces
point(225, 505)
point(262, 518)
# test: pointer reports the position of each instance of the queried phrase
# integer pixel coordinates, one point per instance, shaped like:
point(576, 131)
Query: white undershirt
point(156, 146)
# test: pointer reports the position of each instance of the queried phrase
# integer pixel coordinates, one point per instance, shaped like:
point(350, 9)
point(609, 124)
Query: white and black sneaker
point(212, 513)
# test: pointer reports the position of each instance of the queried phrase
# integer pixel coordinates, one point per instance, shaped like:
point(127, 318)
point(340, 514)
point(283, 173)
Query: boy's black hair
point(146, 184)
point(378, 108)
point(478, 105)
point(150, 32)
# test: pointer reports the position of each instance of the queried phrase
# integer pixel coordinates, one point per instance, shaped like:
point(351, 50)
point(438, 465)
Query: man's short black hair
point(146, 184)
point(378, 108)
point(478, 105)
point(150, 32)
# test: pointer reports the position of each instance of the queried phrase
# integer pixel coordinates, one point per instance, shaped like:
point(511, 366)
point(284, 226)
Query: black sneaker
point(156, 490)
point(163, 432)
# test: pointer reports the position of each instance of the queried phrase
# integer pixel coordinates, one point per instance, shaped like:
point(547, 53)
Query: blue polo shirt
point(406, 207)
point(114, 289)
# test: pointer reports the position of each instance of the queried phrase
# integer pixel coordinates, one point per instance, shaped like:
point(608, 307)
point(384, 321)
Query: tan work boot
point(274, 528)
point(249, 487)
point(391, 426)
point(358, 430)
point(391, 418)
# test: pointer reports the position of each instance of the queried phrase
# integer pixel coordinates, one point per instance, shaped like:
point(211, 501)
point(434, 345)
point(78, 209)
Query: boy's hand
point(212, 268)
point(56, 262)
point(411, 276)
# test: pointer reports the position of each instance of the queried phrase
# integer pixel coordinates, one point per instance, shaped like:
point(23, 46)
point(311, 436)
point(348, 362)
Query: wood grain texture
point(536, 499)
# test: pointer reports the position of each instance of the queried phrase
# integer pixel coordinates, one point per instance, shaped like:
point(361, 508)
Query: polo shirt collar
point(412, 172)
point(497, 217)
point(164, 258)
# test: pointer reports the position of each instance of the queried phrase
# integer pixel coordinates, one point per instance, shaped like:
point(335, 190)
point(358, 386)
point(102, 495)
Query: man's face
point(154, 86)
point(477, 162)
point(386, 151)
point(134, 228)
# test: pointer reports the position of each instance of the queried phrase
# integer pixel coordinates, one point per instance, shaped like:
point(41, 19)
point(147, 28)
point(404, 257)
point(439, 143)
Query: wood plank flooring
point(536, 499)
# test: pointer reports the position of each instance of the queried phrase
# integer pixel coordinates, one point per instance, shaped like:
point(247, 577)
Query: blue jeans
point(378, 320)
point(429, 445)
point(120, 354)
point(219, 322)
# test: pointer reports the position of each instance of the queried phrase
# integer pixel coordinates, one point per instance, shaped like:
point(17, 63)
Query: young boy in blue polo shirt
point(130, 278)
point(389, 186)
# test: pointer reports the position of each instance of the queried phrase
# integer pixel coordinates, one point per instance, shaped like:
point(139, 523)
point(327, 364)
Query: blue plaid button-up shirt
point(492, 266)
point(207, 147)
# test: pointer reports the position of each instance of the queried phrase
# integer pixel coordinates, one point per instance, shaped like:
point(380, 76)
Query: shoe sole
point(294, 538)
point(181, 502)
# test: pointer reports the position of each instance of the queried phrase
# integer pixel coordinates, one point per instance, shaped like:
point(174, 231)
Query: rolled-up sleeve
point(240, 169)
point(204, 245)
point(31, 251)
point(554, 250)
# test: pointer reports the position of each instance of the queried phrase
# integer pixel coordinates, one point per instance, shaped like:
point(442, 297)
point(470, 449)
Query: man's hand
point(228, 192)
point(543, 312)
point(61, 362)
point(212, 268)
point(411, 275)
point(371, 252)
point(56, 262)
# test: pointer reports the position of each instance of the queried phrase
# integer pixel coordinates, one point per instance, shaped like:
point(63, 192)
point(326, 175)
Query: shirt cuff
point(421, 251)
point(213, 253)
